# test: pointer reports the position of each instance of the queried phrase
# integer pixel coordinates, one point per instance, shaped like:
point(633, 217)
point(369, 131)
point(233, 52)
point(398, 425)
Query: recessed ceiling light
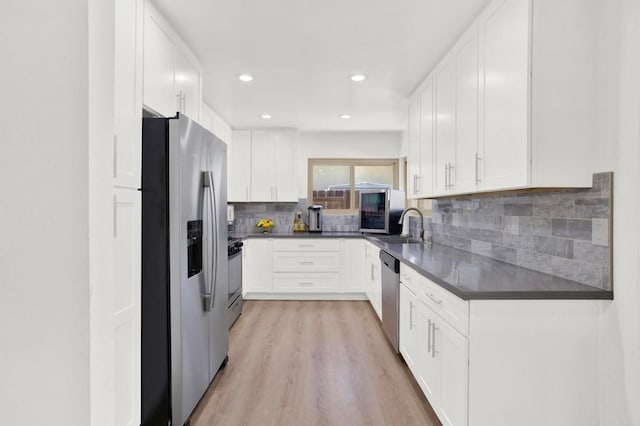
point(345, 116)
point(358, 77)
point(245, 77)
point(265, 116)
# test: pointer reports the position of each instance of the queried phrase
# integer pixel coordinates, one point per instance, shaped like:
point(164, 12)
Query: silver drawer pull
point(306, 263)
point(305, 283)
point(432, 297)
point(406, 277)
point(305, 245)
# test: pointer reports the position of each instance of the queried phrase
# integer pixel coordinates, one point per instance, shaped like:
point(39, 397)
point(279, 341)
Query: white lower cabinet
point(437, 355)
point(304, 268)
point(256, 266)
point(373, 277)
point(500, 362)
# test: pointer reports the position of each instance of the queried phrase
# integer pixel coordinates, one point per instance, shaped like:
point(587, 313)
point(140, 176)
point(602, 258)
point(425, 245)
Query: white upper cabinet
point(187, 86)
point(514, 102)
point(172, 74)
point(215, 124)
point(465, 73)
point(504, 64)
point(159, 48)
point(427, 128)
point(414, 149)
point(262, 166)
point(445, 150)
point(239, 177)
point(284, 159)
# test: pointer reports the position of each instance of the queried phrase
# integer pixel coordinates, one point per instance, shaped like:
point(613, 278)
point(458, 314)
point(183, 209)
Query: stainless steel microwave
point(380, 211)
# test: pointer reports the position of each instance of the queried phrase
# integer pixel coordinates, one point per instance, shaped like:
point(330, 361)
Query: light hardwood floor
point(312, 363)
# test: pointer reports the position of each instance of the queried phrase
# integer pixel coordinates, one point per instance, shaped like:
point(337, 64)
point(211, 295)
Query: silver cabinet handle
point(429, 336)
point(305, 245)
point(432, 297)
point(446, 176)
point(433, 340)
point(247, 190)
point(372, 272)
point(410, 315)
point(305, 283)
point(477, 168)
point(276, 193)
point(179, 101)
point(451, 167)
point(306, 262)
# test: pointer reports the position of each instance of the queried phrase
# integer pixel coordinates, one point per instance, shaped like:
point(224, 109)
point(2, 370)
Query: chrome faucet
point(421, 220)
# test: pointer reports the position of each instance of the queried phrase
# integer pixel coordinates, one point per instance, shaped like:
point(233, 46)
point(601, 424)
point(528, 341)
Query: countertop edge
point(595, 294)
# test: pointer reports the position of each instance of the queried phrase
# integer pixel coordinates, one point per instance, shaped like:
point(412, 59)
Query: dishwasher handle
point(390, 261)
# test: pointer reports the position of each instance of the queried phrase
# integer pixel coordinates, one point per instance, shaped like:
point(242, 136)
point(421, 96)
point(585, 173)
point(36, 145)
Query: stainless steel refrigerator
point(184, 266)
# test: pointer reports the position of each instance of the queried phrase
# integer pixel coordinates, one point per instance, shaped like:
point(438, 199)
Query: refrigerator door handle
point(210, 292)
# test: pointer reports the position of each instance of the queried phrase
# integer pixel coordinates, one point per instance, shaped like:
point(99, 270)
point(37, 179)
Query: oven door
point(235, 276)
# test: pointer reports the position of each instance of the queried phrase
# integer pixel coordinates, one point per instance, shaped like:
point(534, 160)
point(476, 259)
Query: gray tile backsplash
point(561, 232)
point(247, 214)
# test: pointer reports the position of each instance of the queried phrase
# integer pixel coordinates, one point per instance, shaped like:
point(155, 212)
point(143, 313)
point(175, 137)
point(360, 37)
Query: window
point(336, 184)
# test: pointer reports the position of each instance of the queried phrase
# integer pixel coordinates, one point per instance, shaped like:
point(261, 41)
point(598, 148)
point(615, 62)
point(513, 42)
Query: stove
point(234, 255)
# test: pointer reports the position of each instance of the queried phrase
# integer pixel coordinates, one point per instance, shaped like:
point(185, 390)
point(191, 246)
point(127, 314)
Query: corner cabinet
point(514, 104)
point(497, 362)
point(262, 166)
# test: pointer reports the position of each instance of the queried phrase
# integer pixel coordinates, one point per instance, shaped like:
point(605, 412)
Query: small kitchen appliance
point(315, 218)
point(380, 211)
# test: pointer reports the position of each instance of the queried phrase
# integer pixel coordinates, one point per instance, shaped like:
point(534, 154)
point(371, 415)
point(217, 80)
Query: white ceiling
point(301, 53)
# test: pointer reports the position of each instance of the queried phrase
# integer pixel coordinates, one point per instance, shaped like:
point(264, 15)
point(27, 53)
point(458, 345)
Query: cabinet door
point(504, 95)
point(453, 350)
point(127, 149)
point(284, 180)
point(465, 67)
point(428, 362)
point(407, 328)
point(413, 149)
point(158, 80)
point(444, 173)
point(353, 276)
point(239, 177)
point(257, 274)
point(427, 121)
point(377, 287)
point(126, 306)
point(262, 166)
point(187, 81)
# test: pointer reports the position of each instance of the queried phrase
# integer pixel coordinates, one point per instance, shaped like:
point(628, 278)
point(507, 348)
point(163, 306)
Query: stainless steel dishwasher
point(390, 296)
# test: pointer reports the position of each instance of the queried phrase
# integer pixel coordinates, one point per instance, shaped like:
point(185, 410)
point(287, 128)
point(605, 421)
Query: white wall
point(344, 145)
point(101, 262)
point(619, 132)
point(44, 250)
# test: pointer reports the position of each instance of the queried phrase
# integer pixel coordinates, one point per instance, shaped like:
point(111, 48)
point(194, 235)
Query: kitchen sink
point(398, 239)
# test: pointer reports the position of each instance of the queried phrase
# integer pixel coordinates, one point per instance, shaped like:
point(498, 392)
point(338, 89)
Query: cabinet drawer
point(306, 244)
point(306, 283)
point(449, 306)
point(306, 262)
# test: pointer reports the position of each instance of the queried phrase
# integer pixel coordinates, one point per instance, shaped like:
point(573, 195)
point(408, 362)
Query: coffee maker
point(315, 218)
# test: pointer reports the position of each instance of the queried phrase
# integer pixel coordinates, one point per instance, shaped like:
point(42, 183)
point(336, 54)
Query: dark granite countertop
point(467, 275)
point(298, 235)
point(471, 276)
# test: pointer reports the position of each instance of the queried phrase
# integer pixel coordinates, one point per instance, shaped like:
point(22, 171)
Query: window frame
point(352, 163)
